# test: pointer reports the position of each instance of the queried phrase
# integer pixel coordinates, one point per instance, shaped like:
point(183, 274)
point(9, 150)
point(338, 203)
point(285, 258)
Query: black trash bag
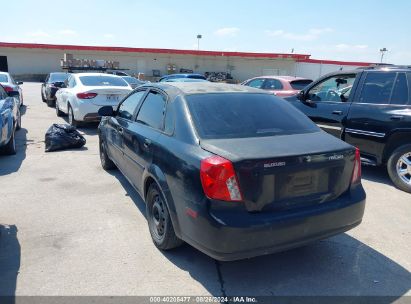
point(60, 137)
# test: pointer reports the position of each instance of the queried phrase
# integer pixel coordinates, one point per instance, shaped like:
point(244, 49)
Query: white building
point(36, 60)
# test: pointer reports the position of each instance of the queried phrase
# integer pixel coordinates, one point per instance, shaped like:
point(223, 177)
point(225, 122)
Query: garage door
point(3, 64)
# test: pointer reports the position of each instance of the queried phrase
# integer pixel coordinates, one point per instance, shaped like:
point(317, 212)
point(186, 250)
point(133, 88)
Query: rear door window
point(152, 111)
point(400, 93)
point(239, 115)
point(377, 87)
point(256, 83)
point(272, 84)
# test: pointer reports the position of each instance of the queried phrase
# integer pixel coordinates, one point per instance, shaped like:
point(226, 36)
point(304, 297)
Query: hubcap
point(158, 217)
point(404, 168)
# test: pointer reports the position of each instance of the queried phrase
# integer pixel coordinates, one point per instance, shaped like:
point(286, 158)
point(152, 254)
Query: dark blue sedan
point(10, 121)
point(234, 171)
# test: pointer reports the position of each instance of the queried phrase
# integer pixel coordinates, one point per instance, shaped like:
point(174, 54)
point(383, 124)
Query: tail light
point(219, 180)
point(86, 95)
point(8, 89)
point(356, 175)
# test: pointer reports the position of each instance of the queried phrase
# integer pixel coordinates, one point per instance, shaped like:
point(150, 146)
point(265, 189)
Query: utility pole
point(198, 41)
point(383, 51)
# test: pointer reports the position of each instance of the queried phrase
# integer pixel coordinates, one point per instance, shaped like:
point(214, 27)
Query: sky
point(334, 29)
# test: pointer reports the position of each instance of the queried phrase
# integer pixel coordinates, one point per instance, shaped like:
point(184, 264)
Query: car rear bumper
point(228, 237)
point(87, 112)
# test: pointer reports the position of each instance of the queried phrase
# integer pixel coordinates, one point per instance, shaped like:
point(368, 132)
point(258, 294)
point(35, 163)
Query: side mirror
point(106, 111)
point(19, 82)
point(301, 95)
point(13, 94)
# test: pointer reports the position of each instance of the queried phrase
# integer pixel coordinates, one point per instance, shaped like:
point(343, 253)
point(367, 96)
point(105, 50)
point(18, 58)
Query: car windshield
point(300, 84)
point(239, 115)
point(4, 78)
point(58, 77)
point(101, 81)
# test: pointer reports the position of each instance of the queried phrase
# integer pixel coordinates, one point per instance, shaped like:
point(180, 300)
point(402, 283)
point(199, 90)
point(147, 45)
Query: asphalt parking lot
point(70, 228)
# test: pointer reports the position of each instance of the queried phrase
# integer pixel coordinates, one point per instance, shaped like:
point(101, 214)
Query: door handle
point(396, 117)
point(337, 112)
point(120, 130)
point(147, 143)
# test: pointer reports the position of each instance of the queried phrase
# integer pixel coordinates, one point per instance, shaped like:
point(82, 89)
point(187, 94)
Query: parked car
point(175, 76)
point(10, 85)
point(133, 81)
point(53, 82)
point(369, 108)
point(10, 120)
point(234, 171)
point(118, 73)
point(282, 86)
point(185, 80)
point(83, 94)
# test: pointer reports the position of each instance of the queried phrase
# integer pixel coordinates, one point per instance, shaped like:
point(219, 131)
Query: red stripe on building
point(152, 51)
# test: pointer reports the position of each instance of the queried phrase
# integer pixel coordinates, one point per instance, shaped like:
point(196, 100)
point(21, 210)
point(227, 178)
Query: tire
point(399, 168)
point(159, 220)
point(72, 120)
point(10, 148)
point(106, 162)
point(42, 96)
point(18, 122)
point(58, 112)
point(50, 103)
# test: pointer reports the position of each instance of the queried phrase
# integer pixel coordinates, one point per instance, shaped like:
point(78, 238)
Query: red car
point(282, 86)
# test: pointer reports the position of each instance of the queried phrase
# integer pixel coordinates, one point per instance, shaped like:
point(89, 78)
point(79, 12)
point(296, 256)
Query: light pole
point(198, 41)
point(383, 51)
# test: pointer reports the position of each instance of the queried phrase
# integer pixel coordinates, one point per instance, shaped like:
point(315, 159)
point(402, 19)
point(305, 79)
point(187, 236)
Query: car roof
point(190, 88)
point(286, 78)
point(96, 74)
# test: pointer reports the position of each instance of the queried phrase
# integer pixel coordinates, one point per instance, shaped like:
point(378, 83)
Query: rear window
point(196, 77)
point(60, 77)
point(101, 81)
point(4, 78)
point(239, 115)
point(300, 84)
point(130, 79)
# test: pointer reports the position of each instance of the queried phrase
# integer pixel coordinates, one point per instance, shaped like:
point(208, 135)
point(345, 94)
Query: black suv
point(369, 108)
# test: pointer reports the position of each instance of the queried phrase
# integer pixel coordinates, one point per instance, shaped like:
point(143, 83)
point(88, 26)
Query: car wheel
point(71, 119)
point(50, 103)
point(159, 220)
point(18, 122)
point(106, 162)
point(58, 112)
point(399, 168)
point(42, 96)
point(10, 148)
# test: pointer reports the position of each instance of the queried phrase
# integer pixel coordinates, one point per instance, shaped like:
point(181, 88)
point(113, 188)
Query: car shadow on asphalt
point(9, 262)
point(338, 266)
point(23, 110)
point(12, 163)
point(376, 174)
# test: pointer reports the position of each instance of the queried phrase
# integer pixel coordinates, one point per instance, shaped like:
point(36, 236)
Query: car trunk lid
point(285, 172)
point(108, 95)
